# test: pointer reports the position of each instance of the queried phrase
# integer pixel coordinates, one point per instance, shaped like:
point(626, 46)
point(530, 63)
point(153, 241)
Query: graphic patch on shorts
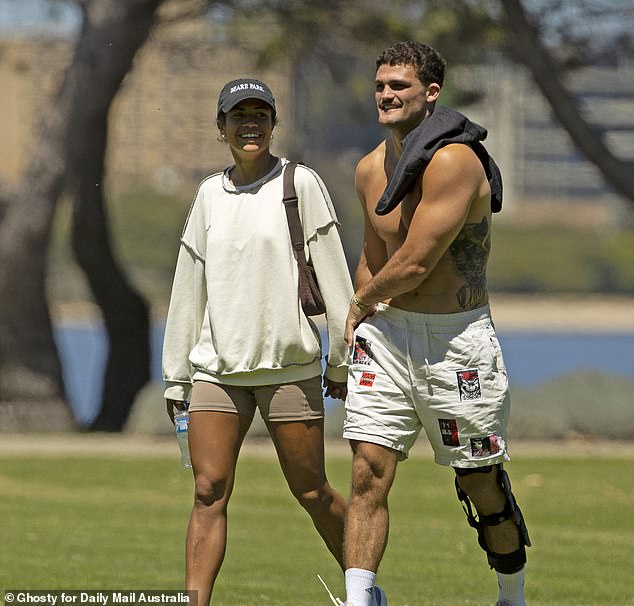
point(485, 447)
point(449, 432)
point(469, 384)
point(367, 379)
point(362, 351)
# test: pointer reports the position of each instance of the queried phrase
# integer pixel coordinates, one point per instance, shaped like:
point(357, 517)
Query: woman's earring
point(222, 137)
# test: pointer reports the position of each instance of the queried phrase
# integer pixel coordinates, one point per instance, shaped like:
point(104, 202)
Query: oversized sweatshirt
point(234, 315)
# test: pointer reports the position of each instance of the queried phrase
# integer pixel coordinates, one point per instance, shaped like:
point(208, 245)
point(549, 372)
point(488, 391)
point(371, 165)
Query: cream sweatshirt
point(234, 315)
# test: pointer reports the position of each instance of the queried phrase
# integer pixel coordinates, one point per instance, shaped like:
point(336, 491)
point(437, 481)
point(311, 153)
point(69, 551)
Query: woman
point(236, 336)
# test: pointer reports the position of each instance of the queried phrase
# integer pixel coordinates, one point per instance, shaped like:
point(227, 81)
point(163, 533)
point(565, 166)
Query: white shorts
point(443, 373)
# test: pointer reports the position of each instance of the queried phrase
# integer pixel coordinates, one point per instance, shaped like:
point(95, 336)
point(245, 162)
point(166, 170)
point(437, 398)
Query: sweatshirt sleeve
point(187, 304)
point(321, 231)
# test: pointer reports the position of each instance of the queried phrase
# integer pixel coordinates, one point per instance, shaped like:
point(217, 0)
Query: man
point(425, 351)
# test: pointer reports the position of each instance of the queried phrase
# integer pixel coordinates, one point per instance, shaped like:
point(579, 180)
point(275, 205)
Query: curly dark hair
point(427, 61)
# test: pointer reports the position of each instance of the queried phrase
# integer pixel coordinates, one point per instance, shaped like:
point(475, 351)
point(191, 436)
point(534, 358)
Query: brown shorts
point(299, 401)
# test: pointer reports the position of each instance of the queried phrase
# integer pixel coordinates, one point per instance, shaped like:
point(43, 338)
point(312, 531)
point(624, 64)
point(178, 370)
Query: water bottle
point(181, 422)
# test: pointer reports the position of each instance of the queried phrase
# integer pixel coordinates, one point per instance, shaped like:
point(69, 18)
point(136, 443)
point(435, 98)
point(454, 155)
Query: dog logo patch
point(367, 379)
point(485, 447)
point(362, 351)
point(449, 432)
point(469, 384)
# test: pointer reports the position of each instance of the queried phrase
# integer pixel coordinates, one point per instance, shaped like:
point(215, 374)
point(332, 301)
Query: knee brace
point(506, 563)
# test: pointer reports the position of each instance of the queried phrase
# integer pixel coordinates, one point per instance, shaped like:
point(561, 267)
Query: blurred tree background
point(82, 228)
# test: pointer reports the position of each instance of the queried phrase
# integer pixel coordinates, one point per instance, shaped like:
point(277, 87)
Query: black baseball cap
point(244, 88)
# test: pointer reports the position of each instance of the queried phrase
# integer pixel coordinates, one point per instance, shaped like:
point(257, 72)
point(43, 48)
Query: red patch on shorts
point(469, 384)
point(367, 379)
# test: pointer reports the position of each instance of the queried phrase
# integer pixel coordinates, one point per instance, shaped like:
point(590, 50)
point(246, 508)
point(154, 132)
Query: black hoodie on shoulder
point(442, 127)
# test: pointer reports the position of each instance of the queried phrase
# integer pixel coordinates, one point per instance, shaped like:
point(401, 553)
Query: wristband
point(355, 300)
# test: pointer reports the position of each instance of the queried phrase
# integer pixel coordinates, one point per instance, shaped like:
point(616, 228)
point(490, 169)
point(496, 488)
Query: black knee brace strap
point(506, 563)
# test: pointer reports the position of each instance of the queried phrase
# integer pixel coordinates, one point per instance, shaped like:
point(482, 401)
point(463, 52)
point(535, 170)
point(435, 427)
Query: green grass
point(119, 523)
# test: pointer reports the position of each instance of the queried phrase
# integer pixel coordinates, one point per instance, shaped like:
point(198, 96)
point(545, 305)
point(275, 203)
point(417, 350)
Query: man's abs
point(458, 281)
point(443, 293)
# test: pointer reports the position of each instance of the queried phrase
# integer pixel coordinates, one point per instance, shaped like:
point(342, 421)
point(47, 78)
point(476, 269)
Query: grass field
point(106, 521)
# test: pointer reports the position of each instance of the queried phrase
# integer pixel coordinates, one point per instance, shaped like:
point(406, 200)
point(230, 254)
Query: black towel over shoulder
point(442, 127)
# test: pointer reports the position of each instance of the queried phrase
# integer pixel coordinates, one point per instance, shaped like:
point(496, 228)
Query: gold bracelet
point(355, 300)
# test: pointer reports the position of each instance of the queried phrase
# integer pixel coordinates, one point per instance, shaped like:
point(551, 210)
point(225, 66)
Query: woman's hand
point(172, 406)
point(339, 391)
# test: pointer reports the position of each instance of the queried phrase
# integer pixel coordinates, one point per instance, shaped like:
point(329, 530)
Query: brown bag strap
point(292, 213)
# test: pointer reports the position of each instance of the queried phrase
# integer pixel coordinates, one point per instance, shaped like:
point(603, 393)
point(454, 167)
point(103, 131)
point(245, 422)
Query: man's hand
point(356, 314)
point(339, 391)
point(173, 405)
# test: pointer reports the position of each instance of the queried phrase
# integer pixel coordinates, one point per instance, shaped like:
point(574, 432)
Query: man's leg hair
point(506, 563)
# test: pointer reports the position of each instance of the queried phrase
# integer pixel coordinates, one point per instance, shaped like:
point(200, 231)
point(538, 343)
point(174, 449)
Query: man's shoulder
point(456, 152)
point(372, 162)
point(456, 158)
point(455, 171)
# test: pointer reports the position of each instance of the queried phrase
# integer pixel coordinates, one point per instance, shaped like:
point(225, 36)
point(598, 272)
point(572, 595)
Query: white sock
point(511, 587)
point(359, 585)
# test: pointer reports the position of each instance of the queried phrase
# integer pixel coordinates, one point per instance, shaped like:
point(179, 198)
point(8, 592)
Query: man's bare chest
point(392, 228)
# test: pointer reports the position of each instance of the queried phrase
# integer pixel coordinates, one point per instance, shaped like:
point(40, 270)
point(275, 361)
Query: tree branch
point(528, 49)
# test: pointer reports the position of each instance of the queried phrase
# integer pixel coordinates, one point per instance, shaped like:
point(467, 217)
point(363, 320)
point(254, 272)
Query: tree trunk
point(31, 386)
point(125, 313)
point(124, 310)
point(70, 151)
point(528, 49)
point(119, 28)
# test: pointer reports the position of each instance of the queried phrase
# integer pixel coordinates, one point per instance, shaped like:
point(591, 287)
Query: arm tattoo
point(470, 253)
